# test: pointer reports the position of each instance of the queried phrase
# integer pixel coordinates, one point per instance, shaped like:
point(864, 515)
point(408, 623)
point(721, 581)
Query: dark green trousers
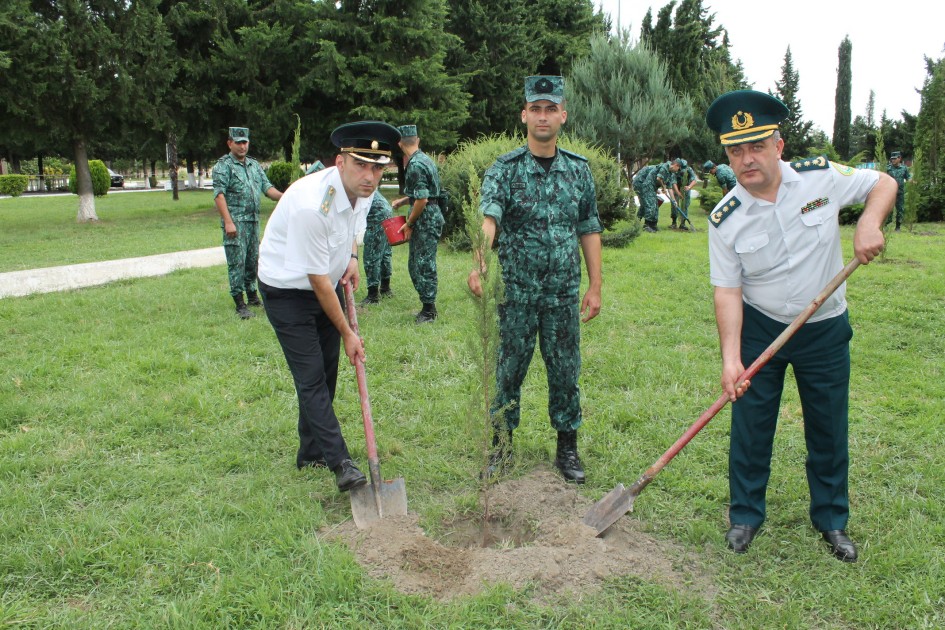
point(819, 354)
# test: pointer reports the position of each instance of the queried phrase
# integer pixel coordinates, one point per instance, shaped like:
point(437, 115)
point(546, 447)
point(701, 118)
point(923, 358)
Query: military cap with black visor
point(745, 116)
point(368, 140)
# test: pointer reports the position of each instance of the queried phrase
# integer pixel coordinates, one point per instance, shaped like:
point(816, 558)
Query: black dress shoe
point(739, 537)
point(347, 476)
point(318, 462)
point(841, 545)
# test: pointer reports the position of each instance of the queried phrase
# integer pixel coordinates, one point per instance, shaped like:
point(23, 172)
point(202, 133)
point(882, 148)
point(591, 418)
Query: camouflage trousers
point(900, 209)
point(649, 205)
point(684, 201)
point(556, 324)
point(377, 254)
point(242, 257)
point(422, 260)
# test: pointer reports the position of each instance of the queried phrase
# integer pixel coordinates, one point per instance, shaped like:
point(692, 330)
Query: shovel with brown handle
point(381, 498)
point(620, 500)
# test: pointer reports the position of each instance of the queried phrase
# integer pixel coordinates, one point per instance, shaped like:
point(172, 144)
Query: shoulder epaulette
point(325, 206)
point(721, 213)
point(512, 155)
point(572, 154)
point(811, 164)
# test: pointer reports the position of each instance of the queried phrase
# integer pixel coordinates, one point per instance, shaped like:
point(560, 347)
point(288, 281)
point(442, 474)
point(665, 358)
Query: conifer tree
point(795, 131)
point(842, 113)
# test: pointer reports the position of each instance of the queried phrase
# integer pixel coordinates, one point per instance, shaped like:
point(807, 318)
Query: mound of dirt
point(535, 538)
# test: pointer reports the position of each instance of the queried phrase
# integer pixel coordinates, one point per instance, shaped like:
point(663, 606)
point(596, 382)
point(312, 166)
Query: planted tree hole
point(471, 532)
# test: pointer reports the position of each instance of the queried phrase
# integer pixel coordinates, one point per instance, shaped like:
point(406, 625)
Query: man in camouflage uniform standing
point(378, 264)
point(724, 175)
point(899, 172)
point(646, 182)
point(237, 181)
point(543, 199)
point(684, 195)
point(424, 219)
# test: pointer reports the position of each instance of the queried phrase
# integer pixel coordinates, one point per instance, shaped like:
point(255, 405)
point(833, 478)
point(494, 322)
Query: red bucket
point(392, 230)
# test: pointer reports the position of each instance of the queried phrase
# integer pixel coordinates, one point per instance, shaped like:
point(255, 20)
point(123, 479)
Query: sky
point(890, 40)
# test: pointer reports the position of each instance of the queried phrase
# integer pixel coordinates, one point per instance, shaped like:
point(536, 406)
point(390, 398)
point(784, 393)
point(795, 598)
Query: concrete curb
point(67, 277)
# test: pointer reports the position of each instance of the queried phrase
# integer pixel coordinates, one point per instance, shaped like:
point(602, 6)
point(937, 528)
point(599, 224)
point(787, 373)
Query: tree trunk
point(40, 171)
point(191, 179)
point(172, 162)
point(84, 184)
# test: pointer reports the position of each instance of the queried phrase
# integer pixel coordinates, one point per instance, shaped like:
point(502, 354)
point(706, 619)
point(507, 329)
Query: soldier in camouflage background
point(646, 182)
point(683, 194)
point(724, 175)
point(542, 198)
point(378, 265)
point(899, 172)
point(237, 181)
point(424, 219)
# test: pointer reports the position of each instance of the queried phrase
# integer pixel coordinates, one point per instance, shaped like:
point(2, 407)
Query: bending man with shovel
point(308, 253)
point(774, 242)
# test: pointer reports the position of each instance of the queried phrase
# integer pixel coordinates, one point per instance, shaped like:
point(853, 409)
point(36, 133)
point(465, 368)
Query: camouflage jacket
point(380, 209)
point(241, 184)
point(422, 178)
point(664, 173)
point(899, 173)
point(725, 176)
point(541, 217)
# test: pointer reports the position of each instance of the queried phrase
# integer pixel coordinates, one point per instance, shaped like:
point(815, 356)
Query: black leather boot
point(427, 315)
point(385, 288)
point(241, 309)
point(567, 459)
point(373, 296)
point(252, 298)
point(500, 459)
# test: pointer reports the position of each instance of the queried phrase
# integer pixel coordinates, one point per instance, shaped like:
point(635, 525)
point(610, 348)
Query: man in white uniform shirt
point(773, 246)
point(308, 252)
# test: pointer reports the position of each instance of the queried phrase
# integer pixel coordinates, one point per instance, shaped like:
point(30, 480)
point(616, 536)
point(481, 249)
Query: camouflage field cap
point(544, 88)
point(708, 166)
point(407, 131)
point(239, 134)
point(894, 155)
point(745, 116)
point(314, 168)
point(682, 163)
point(368, 140)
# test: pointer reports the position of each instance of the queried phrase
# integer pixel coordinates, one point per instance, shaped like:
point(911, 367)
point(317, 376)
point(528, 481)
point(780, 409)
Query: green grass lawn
point(147, 444)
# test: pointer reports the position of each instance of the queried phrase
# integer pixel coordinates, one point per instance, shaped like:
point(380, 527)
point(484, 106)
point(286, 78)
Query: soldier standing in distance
point(543, 199)
point(237, 182)
point(684, 195)
point(899, 172)
point(424, 219)
point(774, 245)
point(378, 258)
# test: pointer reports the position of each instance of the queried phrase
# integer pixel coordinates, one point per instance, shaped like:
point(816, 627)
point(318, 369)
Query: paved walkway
point(48, 279)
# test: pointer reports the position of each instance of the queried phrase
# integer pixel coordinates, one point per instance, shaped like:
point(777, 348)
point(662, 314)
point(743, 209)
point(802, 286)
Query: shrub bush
point(280, 175)
point(711, 195)
point(101, 180)
point(13, 185)
point(612, 200)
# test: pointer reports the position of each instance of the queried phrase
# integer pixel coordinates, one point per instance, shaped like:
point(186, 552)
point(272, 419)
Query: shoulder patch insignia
point(327, 199)
point(843, 169)
point(810, 164)
point(721, 213)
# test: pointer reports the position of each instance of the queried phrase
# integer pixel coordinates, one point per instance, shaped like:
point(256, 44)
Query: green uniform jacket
point(725, 176)
point(541, 217)
point(241, 184)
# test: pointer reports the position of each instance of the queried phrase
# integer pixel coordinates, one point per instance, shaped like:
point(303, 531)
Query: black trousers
point(311, 345)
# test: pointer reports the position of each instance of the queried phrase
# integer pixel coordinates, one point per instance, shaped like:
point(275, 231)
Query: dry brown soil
point(535, 540)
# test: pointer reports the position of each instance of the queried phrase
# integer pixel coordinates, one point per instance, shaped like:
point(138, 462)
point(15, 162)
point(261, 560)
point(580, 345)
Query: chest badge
point(813, 205)
point(326, 201)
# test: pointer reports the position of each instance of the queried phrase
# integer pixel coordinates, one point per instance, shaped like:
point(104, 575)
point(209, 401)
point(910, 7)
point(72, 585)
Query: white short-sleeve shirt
point(783, 254)
point(311, 231)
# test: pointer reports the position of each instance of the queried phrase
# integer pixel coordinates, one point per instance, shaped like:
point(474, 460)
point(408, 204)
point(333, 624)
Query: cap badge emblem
point(543, 86)
point(742, 121)
point(374, 145)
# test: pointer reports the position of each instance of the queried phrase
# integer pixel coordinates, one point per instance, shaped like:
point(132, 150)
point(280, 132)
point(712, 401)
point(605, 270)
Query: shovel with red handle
point(620, 500)
point(381, 498)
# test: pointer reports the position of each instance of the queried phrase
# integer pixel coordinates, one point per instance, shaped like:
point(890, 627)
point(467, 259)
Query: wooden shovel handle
point(363, 391)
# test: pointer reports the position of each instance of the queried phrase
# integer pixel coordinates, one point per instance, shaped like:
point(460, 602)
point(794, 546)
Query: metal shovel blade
point(372, 502)
point(609, 509)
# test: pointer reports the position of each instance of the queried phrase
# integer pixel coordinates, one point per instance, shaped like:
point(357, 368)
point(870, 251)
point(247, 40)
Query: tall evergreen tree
point(795, 131)
point(620, 98)
point(842, 113)
point(930, 129)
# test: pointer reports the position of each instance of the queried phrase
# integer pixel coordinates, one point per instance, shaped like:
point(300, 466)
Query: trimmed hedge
point(101, 180)
point(280, 175)
point(612, 200)
point(13, 185)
